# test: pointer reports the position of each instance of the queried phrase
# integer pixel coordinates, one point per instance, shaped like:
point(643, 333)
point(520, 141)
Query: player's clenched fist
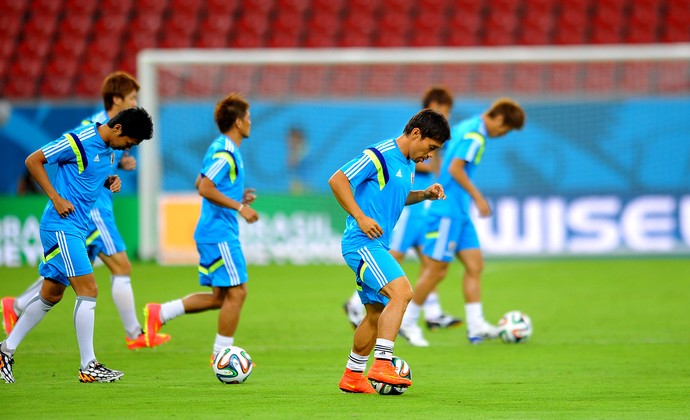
point(435, 192)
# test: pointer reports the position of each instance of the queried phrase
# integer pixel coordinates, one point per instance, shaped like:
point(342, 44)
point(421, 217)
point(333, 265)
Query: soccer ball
point(515, 327)
point(232, 365)
point(403, 370)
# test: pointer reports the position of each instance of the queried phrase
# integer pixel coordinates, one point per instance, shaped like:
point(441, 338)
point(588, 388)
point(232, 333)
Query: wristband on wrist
point(239, 209)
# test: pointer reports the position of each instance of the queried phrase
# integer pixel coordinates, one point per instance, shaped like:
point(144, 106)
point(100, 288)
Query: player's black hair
point(432, 124)
point(136, 123)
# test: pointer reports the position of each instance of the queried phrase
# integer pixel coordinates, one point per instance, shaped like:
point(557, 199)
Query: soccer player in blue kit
point(409, 233)
point(84, 158)
point(119, 92)
point(373, 189)
point(451, 233)
point(221, 262)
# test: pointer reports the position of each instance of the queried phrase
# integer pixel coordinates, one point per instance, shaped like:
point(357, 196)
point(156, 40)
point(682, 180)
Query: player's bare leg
point(353, 380)
point(478, 328)
point(399, 293)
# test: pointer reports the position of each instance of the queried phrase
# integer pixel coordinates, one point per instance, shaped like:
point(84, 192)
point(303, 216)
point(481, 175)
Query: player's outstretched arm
point(209, 191)
point(343, 194)
point(35, 163)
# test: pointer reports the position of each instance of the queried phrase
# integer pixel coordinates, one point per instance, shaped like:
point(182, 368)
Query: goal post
point(612, 111)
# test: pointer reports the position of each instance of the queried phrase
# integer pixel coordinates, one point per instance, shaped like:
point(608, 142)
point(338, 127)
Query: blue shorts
point(447, 236)
point(221, 265)
point(103, 235)
point(410, 231)
point(64, 256)
point(374, 268)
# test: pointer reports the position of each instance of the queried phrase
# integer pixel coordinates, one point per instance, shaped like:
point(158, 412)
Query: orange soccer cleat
point(152, 318)
point(355, 383)
point(140, 341)
point(9, 317)
point(384, 371)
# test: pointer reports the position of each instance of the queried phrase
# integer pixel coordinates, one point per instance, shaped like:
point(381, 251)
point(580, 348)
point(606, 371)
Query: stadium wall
point(583, 177)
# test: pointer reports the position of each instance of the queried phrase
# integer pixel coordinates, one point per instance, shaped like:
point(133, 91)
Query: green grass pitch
point(611, 340)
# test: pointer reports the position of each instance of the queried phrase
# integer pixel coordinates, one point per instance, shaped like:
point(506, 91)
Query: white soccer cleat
point(6, 362)
point(413, 335)
point(482, 332)
point(96, 372)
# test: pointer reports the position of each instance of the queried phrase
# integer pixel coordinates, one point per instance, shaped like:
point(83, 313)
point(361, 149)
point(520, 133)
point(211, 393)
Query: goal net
point(601, 166)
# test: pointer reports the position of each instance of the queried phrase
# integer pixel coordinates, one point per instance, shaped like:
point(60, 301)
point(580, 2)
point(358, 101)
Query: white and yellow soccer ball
point(232, 365)
point(515, 327)
point(403, 370)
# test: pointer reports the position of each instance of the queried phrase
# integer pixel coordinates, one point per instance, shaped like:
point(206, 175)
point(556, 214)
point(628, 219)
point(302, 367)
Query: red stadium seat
point(220, 8)
point(290, 6)
point(153, 7)
point(58, 77)
point(258, 6)
point(78, 25)
point(80, 7)
point(46, 6)
point(113, 24)
point(10, 28)
point(145, 25)
point(41, 24)
point(211, 40)
point(286, 30)
point(180, 23)
point(108, 7)
point(186, 7)
point(22, 77)
point(69, 46)
point(433, 6)
point(426, 39)
point(328, 6)
point(13, 7)
point(171, 39)
point(464, 28)
point(33, 48)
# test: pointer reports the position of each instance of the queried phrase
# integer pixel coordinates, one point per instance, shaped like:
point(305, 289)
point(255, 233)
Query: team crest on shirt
point(112, 159)
point(412, 178)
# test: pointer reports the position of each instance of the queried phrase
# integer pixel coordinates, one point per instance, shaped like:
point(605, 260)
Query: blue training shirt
point(105, 200)
point(382, 178)
point(84, 163)
point(467, 142)
point(223, 165)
